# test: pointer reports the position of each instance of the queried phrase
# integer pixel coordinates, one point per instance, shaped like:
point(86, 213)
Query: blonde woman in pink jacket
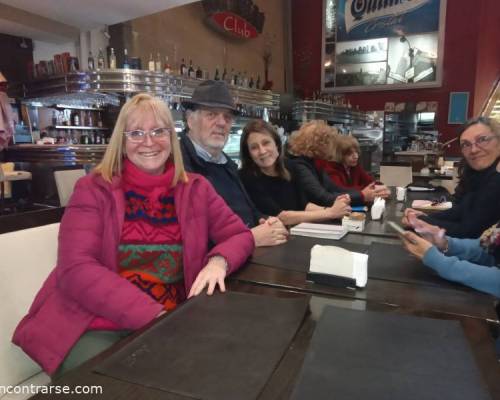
point(133, 244)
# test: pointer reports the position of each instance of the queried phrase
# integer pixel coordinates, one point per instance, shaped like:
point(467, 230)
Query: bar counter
point(58, 154)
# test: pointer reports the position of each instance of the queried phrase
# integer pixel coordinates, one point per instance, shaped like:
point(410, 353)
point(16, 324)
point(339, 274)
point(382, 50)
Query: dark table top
point(281, 382)
point(448, 298)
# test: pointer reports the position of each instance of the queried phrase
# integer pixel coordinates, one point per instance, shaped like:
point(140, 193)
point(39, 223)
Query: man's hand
point(211, 275)
point(270, 232)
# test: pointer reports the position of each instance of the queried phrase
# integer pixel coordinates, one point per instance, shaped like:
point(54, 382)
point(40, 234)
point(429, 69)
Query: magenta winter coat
point(85, 283)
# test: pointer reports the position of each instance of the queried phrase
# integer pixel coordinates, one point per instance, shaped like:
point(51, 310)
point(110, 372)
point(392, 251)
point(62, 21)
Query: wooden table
point(281, 383)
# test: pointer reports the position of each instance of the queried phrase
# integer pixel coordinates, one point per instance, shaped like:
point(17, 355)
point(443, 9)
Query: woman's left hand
point(415, 244)
point(211, 275)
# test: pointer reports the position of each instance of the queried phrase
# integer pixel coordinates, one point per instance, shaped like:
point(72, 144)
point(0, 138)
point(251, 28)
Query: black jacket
point(477, 208)
point(193, 163)
point(317, 185)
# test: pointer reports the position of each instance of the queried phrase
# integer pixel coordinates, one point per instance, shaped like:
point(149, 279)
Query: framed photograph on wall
point(382, 45)
point(458, 109)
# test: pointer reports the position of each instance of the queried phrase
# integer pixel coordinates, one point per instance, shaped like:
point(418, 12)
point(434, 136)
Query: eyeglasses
point(481, 142)
point(158, 134)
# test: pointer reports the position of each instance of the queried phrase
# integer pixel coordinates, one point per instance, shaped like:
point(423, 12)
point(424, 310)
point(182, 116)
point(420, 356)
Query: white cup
point(401, 193)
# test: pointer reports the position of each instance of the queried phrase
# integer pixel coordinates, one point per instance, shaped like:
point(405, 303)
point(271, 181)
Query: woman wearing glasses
point(475, 206)
point(133, 244)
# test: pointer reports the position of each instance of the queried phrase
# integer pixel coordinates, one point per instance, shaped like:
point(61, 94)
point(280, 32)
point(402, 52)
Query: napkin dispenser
point(335, 266)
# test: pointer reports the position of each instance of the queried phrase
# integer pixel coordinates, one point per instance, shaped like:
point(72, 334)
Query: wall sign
point(458, 108)
point(383, 45)
point(234, 25)
point(237, 19)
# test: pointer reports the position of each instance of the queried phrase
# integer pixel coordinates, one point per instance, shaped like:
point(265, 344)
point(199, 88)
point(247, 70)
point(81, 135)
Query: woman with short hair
point(316, 140)
point(346, 172)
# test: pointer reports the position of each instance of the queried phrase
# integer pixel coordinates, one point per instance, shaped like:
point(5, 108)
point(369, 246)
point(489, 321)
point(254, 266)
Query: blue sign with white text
point(365, 19)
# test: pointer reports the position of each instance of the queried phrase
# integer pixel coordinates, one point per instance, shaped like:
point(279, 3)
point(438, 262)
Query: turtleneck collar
point(136, 177)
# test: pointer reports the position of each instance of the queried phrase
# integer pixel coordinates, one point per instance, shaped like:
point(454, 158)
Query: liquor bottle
point(183, 69)
point(112, 59)
point(251, 82)
point(126, 63)
point(151, 63)
point(235, 79)
point(100, 60)
point(158, 66)
point(97, 138)
point(216, 77)
point(76, 118)
point(90, 62)
point(168, 68)
point(199, 73)
point(99, 120)
point(224, 75)
point(84, 138)
point(244, 80)
point(191, 72)
point(257, 84)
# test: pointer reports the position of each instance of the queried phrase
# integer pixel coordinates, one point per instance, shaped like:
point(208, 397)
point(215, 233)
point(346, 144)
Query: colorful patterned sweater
point(150, 250)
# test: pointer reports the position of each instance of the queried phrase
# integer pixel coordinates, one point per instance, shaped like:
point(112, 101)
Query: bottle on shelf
point(224, 75)
point(126, 62)
point(199, 73)
point(99, 120)
point(100, 60)
point(84, 138)
point(251, 83)
point(90, 62)
point(158, 66)
point(90, 119)
point(112, 59)
point(191, 72)
point(244, 80)
point(235, 79)
point(168, 68)
point(216, 76)
point(151, 63)
point(97, 137)
point(54, 117)
point(183, 69)
point(257, 84)
point(76, 118)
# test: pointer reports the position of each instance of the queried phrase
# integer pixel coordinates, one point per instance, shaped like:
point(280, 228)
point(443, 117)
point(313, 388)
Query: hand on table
point(211, 275)
point(407, 213)
point(415, 244)
point(270, 232)
point(341, 207)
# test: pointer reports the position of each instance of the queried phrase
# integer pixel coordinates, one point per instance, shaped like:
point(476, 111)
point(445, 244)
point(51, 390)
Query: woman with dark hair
point(346, 172)
point(475, 206)
point(270, 183)
point(316, 140)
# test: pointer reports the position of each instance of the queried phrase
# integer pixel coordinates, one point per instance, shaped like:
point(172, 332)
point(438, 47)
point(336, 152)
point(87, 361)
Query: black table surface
point(282, 381)
point(447, 298)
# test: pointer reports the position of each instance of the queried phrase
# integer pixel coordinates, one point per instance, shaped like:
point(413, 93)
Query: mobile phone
point(399, 230)
point(396, 227)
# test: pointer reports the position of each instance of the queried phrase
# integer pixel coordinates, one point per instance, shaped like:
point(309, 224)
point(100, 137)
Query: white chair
point(65, 182)
point(27, 258)
point(396, 175)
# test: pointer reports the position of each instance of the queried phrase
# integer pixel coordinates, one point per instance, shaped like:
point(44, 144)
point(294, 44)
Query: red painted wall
point(471, 59)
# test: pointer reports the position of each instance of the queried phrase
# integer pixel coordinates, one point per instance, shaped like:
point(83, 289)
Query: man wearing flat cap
point(209, 117)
